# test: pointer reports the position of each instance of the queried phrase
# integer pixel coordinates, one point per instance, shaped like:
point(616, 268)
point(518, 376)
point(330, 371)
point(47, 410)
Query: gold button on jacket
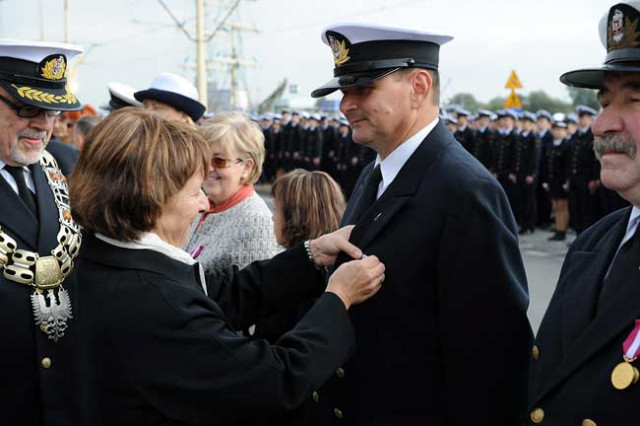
point(338, 413)
point(589, 422)
point(535, 352)
point(46, 362)
point(537, 415)
point(340, 372)
point(316, 396)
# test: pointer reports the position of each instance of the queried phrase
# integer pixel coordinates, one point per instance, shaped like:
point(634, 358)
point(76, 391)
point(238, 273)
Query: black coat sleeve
point(181, 356)
point(265, 287)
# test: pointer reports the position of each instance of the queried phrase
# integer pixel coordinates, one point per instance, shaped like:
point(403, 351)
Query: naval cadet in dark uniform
point(585, 368)
point(543, 202)
point(464, 133)
point(503, 149)
point(582, 170)
point(313, 144)
point(525, 166)
point(448, 342)
point(482, 142)
point(38, 238)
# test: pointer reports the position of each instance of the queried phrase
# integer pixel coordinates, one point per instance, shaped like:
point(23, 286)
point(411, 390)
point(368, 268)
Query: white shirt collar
point(151, 241)
point(632, 224)
point(391, 166)
point(25, 168)
point(12, 182)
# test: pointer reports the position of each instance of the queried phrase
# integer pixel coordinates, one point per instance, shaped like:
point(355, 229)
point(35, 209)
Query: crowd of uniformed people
point(314, 142)
point(545, 163)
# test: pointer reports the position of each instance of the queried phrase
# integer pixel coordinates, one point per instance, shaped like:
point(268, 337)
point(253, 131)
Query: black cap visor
point(350, 80)
point(593, 78)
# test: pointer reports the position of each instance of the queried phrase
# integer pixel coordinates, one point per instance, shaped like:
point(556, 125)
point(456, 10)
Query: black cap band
point(25, 72)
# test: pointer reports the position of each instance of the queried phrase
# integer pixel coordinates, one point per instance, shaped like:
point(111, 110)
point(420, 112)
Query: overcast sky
point(130, 41)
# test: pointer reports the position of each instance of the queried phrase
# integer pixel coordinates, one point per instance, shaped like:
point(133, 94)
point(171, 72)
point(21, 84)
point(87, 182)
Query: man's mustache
point(613, 143)
point(32, 134)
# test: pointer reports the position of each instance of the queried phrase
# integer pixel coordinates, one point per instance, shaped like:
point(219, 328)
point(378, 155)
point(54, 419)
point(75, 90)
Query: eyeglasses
point(223, 163)
point(28, 111)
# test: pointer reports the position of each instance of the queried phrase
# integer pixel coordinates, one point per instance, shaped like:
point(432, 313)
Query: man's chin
point(27, 157)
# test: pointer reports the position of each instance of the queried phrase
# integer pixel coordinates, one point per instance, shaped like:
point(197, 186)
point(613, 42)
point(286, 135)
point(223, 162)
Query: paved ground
point(542, 260)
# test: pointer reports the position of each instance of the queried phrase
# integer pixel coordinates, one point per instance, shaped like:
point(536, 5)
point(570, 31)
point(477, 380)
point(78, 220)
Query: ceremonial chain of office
point(50, 301)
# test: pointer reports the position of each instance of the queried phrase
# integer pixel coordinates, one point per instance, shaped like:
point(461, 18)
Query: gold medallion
point(48, 273)
point(624, 375)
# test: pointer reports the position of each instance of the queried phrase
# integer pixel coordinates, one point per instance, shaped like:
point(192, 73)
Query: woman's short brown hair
point(312, 204)
point(132, 164)
point(235, 131)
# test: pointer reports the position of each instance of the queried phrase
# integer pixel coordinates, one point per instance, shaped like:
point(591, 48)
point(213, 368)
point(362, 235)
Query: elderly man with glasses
point(38, 238)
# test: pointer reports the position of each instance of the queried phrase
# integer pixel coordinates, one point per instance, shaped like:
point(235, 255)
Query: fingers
point(345, 246)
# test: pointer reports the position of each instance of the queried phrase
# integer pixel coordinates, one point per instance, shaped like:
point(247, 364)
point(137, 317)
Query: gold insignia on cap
point(54, 68)
point(623, 32)
point(340, 51)
point(44, 97)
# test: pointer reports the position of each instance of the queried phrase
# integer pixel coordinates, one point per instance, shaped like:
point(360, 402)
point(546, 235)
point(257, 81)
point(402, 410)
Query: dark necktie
point(624, 267)
point(369, 192)
point(23, 191)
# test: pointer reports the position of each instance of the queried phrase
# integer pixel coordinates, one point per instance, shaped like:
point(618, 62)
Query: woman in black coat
point(157, 338)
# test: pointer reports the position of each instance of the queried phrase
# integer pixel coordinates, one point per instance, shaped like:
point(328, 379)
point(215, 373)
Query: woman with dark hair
point(157, 337)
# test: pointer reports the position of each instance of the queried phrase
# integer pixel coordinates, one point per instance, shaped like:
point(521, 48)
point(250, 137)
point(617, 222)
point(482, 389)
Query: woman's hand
point(325, 249)
point(356, 281)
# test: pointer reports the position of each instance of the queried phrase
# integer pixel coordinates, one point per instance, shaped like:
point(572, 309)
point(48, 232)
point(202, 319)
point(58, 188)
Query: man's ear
point(421, 84)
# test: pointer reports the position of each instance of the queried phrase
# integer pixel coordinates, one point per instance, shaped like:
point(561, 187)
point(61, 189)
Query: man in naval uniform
point(447, 341)
point(585, 368)
point(38, 238)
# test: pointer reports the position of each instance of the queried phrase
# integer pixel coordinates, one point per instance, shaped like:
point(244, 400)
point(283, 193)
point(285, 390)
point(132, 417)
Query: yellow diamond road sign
point(513, 101)
point(513, 82)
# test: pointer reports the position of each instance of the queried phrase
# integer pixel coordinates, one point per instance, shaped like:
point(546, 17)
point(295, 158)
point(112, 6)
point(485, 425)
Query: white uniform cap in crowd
point(34, 72)
point(175, 91)
point(121, 96)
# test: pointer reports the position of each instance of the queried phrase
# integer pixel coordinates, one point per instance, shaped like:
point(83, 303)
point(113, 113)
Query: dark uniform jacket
point(313, 144)
point(465, 137)
point(481, 146)
point(526, 155)
point(446, 341)
point(582, 164)
point(556, 169)
point(576, 350)
point(37, 378)
point(503, 149)
point(155, 350)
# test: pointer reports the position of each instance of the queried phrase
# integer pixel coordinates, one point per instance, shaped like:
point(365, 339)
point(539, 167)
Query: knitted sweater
point(237, 236)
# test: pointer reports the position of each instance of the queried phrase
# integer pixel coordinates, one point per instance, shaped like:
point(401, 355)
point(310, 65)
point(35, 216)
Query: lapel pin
point(377, 217)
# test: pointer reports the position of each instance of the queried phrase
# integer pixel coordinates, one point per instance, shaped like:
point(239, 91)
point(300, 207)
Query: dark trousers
point(543, 206)
point(582, 206)
point(509, 188)
point(525, 202)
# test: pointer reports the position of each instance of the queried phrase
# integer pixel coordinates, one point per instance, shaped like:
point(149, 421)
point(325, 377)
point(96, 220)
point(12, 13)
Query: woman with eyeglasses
point(237, 229)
